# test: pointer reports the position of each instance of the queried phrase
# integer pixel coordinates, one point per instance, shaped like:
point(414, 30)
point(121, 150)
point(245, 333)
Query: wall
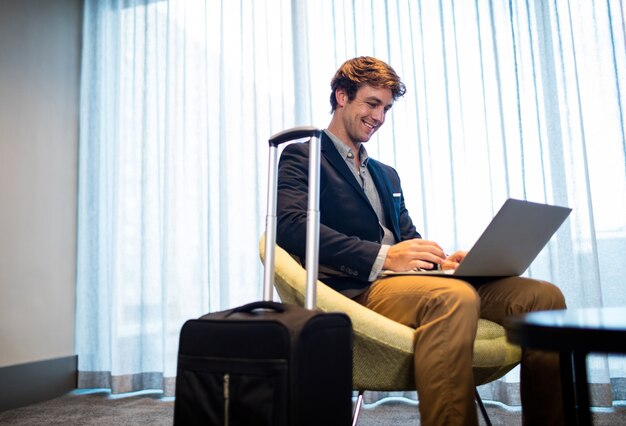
point(39, 94)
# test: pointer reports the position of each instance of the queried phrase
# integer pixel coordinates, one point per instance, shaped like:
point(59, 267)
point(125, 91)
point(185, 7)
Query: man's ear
point(341, 97)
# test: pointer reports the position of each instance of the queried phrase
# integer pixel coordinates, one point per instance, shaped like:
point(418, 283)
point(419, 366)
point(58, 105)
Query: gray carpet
point(145, 408)
point(100, 408)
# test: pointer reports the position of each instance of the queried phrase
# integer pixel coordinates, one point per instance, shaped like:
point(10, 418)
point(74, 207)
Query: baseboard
point(33, 382)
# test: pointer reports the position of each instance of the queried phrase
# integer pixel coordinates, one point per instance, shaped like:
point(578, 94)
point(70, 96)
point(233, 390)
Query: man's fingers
point(419, 247)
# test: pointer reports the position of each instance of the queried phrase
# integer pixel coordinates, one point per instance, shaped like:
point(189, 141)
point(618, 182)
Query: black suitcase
point(269, 363)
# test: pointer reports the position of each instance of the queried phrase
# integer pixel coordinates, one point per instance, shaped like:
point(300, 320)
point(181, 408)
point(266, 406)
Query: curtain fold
point(519, 99)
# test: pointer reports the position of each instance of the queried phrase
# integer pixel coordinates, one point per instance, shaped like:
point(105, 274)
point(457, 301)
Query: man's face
point(362, 116)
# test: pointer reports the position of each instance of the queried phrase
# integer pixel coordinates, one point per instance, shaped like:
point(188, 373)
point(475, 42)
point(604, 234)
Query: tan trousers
point(444, 313)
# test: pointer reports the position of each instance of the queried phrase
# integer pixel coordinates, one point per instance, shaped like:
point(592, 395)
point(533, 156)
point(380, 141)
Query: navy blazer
point(350, 234)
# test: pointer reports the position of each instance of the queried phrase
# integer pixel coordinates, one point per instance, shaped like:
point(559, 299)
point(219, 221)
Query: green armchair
point(383, 348)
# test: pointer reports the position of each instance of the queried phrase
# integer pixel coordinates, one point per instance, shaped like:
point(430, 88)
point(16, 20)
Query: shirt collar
point(345, 151)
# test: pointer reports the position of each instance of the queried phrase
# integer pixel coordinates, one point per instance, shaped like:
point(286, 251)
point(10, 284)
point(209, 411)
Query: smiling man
point(365, 228)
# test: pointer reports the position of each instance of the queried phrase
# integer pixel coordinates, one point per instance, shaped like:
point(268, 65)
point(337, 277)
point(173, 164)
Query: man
point(365, 228)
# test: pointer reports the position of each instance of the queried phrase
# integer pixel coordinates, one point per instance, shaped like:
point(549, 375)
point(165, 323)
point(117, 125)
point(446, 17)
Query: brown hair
point(363, 70)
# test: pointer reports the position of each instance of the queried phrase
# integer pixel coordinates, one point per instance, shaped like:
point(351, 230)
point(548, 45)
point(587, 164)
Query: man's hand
point(452, 261)
point(413, 254)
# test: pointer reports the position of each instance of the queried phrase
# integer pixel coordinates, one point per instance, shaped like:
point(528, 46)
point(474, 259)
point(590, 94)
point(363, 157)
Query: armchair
point(383, 348)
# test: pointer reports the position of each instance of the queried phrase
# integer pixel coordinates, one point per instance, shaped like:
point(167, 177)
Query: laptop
point(513, 239)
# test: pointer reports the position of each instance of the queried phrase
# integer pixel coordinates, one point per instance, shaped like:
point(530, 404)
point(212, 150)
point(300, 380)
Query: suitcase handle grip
point(294, 133)
point(272, 306)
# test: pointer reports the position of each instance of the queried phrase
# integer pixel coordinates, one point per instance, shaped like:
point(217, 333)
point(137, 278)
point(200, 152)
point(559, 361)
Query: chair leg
point(357, 408)
point(483, 410)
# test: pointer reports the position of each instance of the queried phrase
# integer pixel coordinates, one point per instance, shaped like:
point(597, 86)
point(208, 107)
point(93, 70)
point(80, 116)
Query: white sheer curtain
point(520, 99)
point(177, 99)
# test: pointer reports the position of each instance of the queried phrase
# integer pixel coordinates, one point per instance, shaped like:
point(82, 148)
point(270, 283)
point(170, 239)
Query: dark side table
point(574, 333)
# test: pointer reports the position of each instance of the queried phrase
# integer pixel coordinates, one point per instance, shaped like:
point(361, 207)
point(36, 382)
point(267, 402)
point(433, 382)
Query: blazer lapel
point(333, 157)
point(385, 193)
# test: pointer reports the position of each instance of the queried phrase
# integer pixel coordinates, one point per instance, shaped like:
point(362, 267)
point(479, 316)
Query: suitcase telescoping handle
point(313, 211)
